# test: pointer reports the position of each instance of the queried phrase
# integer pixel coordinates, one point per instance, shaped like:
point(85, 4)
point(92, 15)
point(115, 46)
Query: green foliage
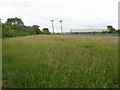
point(37, 30)
point(46, 31)
point(14, 21)
point(110, 28)
point(118, 31)
point(56, 61)
point(30, 30)
point(58, 33)
point(104, 32)
point(14, 27)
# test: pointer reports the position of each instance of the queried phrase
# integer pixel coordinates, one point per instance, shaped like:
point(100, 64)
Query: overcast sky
point(76, 14)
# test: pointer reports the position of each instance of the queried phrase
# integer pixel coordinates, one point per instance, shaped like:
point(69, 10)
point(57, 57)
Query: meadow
point(60, 61)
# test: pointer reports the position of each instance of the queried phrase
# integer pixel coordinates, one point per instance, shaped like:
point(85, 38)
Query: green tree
point(30, 30)
point(37, 30)
point(118, 31)
point(46, 31)
point(14, 27)
point(104, 32)
point(14, 21)
point(110, 28)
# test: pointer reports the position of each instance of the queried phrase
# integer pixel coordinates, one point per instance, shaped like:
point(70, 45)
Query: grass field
point(60, 61)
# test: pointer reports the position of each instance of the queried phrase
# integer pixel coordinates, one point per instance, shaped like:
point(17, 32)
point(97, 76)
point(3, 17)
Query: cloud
point(74, 13)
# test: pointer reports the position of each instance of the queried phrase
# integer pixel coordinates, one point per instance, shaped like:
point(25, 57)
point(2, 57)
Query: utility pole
point(52, 25)
point(119, 15)
point(0, 21)
point(61, 26)
point(0, 28)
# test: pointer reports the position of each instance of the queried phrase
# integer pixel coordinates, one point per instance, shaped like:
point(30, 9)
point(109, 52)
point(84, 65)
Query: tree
point(14, 27)
point(118, 31)
point(37, 30)
point(14, 21)
point(110, 28)
point(46, 31)
point(104, 32)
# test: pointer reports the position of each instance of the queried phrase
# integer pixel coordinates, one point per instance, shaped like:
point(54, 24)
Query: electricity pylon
point(52, 25)
point(61, 26)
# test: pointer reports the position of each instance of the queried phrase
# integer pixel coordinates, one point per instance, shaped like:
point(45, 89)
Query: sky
point(76, 14)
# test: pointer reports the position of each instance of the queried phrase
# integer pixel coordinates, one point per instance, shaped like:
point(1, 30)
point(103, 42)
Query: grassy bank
point(57, 61)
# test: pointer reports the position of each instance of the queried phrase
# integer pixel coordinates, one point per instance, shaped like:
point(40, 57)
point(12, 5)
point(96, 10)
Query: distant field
point(57, 61)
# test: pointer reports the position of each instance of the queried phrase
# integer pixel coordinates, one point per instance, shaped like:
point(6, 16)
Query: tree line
point(14, 27)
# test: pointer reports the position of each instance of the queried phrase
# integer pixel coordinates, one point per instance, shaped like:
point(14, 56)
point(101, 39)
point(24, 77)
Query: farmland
point(60, 61)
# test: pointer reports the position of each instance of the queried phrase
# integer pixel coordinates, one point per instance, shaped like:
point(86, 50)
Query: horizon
point(77, 14)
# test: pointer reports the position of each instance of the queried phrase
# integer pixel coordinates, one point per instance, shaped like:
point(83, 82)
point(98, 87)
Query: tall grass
point(0, 62)
point(60, 61)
